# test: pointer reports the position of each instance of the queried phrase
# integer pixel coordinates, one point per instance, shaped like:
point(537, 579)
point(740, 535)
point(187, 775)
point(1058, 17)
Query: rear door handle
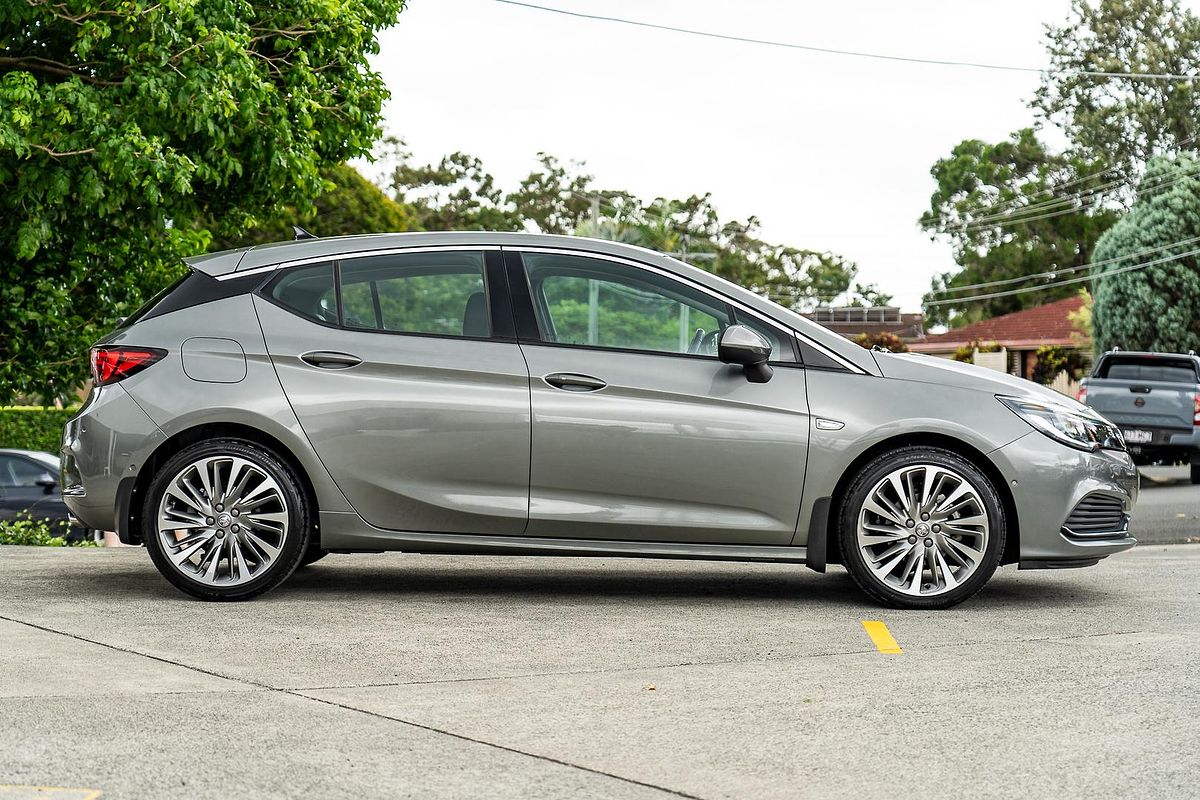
point(574, 382)
point(330, 359)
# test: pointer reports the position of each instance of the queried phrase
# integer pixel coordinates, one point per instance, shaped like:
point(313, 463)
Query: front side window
point(590, 302)
point(429, 293)
point(597, 303)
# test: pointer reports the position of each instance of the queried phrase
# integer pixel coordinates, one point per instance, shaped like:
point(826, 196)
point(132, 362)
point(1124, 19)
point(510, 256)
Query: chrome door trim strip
point(388, 251)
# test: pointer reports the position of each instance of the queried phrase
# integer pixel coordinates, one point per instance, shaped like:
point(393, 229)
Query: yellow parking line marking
point(16, 792)
point(882, 637)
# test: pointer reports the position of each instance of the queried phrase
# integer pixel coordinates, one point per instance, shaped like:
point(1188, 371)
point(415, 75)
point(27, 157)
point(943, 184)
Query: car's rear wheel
point(921, 527)
point(226, 520)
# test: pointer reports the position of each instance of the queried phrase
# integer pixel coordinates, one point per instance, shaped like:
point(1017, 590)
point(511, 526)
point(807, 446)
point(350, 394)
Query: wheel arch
point(1012, 543)
point(198, 433)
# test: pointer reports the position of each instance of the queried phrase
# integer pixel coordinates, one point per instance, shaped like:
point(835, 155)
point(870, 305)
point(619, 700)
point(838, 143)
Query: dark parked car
point(29, 483)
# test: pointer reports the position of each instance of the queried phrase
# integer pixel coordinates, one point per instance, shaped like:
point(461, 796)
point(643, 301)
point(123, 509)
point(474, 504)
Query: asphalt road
point(436, 676)
point(1168, 509)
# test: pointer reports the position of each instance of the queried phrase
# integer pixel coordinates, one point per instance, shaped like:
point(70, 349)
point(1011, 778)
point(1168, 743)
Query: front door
point(409, 384)
point(639, 432)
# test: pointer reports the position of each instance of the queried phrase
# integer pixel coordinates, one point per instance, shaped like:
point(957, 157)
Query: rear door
point(1145, 391)
point(639, 432)
point(405, 374)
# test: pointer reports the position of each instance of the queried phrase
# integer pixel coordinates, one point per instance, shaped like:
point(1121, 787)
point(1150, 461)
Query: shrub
point(967, 351)
point(34, 532)
point(1052, 360)
point(888, 341)
point(32, 428)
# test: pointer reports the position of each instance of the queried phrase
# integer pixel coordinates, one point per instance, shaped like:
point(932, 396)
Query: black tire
point(1195, 473)
point(295, 543)
point(875, 471)
point(313, 555)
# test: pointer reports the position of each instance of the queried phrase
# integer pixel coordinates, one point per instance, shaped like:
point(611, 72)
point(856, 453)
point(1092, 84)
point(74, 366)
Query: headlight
point(1061, 423)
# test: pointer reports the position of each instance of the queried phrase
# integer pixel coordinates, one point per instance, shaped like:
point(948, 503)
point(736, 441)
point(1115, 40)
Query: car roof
point(36, 455)
point(264, 256)
point(1146, 354)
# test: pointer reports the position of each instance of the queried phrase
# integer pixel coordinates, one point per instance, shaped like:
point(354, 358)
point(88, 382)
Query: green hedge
point(29, 428)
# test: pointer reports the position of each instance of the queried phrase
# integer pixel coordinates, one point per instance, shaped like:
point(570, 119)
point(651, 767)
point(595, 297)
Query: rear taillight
point(1081, 393)
point(112, 364)
point(1196, 408)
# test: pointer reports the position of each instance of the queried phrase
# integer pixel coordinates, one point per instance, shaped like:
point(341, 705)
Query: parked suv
point(543, 395)
point(1155, 399)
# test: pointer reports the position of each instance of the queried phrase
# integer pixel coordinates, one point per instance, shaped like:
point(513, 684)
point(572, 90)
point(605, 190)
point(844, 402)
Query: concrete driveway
point(434, 676)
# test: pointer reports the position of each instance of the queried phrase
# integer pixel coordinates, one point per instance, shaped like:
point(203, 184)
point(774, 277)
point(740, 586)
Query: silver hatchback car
point(538, 395)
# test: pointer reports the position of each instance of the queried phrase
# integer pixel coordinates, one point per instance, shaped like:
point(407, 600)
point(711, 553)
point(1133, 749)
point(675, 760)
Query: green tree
point(351, 204)
point(458, 193)
point(1118, 121)
point(1008, 210)
point(123, 124)
point(455, 194)
point(1155, 307)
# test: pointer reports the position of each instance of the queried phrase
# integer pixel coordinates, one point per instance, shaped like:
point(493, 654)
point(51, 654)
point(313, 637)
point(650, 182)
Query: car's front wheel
point(226, 519)
point(921, 527)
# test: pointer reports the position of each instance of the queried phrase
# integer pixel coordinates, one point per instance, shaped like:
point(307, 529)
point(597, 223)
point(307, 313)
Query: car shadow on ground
point(339, 578)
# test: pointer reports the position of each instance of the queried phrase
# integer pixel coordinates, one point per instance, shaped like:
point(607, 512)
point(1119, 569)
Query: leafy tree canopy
point(458, 193)
point(123, 124)
point(1155, 307)
point(1008, 210)
point(351, 204)
point(1123, 122)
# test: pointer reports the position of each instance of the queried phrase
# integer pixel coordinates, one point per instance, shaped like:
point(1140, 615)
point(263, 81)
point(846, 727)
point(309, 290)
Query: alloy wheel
point(222, 520)
point(923, 530)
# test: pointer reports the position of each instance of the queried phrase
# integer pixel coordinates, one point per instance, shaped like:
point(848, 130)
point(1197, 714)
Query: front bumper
point(1047, 481)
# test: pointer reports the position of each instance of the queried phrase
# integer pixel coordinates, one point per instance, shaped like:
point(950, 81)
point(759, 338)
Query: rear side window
point(429, 293)
point(1148, 368)
point(308, 291)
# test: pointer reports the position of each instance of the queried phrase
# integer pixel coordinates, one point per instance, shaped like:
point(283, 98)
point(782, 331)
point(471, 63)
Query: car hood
point(948, 372)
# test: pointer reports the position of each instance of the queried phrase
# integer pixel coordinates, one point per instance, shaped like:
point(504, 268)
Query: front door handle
point(330, 359)
point(574, 382)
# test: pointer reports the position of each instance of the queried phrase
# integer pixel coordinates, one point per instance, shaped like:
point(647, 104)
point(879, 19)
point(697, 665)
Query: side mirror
point(746, 347)
point(47, 482)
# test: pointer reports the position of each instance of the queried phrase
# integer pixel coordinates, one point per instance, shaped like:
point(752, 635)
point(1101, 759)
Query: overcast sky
point(830, 152)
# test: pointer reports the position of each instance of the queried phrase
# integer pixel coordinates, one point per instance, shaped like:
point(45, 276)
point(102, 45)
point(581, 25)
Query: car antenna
point(303, 234)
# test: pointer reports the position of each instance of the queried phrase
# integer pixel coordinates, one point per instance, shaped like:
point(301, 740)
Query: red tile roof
point(1042, 325)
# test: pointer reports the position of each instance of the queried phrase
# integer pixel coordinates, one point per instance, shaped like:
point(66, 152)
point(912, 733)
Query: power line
point(1064, 271)
point(1056, 284)
point(1050, 190)
point(853, 53)
point(1021, 214)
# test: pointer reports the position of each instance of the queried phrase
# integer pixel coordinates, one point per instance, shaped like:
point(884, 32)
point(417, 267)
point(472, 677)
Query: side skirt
point(345, 532)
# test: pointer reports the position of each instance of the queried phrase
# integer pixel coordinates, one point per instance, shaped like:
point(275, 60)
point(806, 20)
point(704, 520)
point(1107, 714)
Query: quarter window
point(308, 291)
point(431, 293)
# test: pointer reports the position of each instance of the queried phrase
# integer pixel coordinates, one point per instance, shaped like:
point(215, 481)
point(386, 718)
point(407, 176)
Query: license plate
point(1134, 436)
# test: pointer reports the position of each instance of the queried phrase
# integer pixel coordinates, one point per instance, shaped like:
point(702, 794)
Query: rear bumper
point(1047, 480)
point(102, 448)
